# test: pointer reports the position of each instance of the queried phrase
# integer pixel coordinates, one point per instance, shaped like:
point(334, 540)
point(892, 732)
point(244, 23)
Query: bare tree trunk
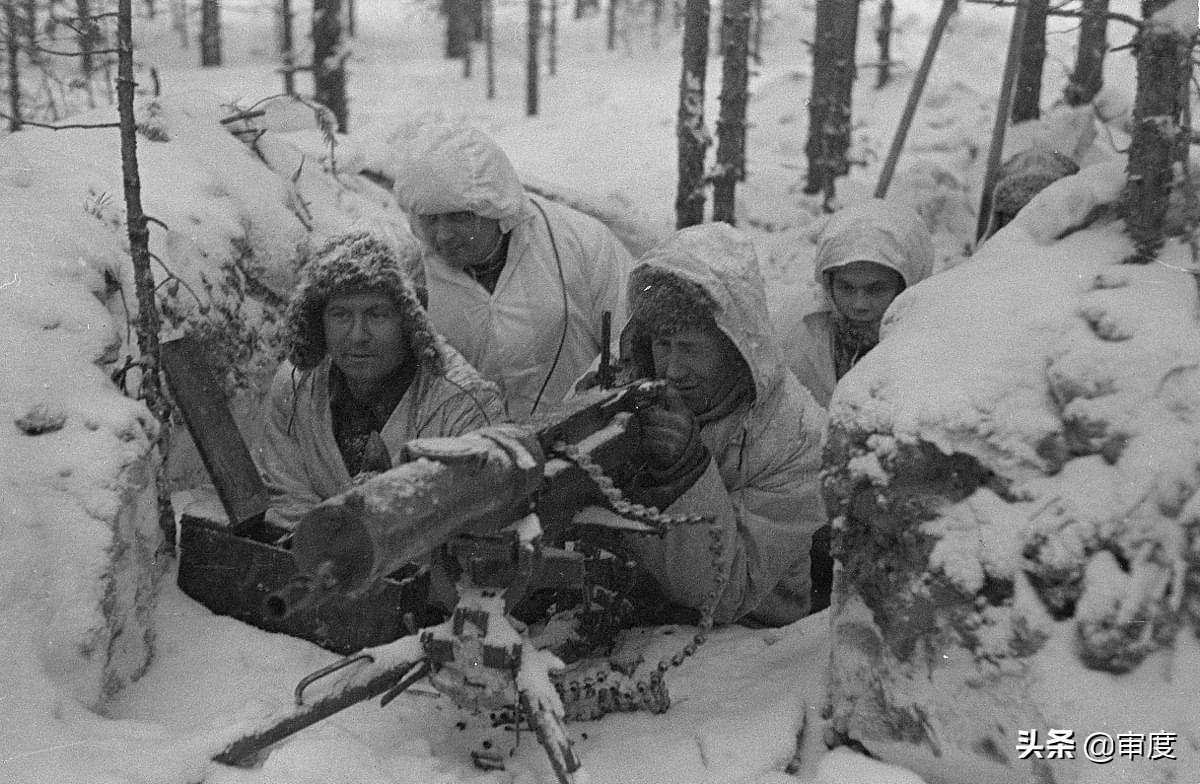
point(151, 9)
point(1028, 95)
point(179, 13)
point(29, 17)
point(883, 37)
point(1160, 136)
point(531, 62)
point(458, 28)
point(611, 42)
point(287, 47)
point(329, 60)
point(477, 12)
point(86, 39)
point(210, 33)
point(1088, 76)
point(148, 324)
point(731, 122)
point(351, 18)
point(756, 40)
point(832, 89)
point(552, 39)
point(489, 46)
point(12, 43)
point(690, 131)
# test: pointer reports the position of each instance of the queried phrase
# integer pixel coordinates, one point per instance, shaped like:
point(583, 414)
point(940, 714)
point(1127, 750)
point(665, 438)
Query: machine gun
point(496, 506)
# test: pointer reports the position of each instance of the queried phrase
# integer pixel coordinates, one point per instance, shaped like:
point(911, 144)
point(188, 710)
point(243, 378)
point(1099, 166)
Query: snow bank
point(1015, 478)
point(81, 551)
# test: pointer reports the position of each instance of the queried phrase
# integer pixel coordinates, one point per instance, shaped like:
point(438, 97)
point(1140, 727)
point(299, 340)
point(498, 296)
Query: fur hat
point(664, 303)
point(356, 261)
point(1025, 174)
point(661, 303)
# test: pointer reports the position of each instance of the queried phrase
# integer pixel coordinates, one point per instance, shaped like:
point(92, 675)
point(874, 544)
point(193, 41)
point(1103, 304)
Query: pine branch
point(1059, 11)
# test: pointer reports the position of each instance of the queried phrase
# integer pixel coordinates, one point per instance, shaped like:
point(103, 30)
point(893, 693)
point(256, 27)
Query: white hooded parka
point(762, 484)
point(539, 330)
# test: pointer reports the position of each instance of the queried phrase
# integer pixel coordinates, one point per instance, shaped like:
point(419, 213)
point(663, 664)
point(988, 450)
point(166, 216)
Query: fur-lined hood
point(878, 231)
point(459, 169)
point(722, 263)
point(355, 262)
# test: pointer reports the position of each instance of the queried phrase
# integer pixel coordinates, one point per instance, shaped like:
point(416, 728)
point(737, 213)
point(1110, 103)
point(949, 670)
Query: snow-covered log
point(1015, 478)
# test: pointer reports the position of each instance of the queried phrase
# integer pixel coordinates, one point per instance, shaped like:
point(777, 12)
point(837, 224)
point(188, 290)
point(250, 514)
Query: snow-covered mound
point(81, 550)
point(1014, 473)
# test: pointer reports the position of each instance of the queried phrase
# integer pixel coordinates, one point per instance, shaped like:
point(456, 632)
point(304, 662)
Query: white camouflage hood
point(877, 231)
point(459, 169)
point(722, 262)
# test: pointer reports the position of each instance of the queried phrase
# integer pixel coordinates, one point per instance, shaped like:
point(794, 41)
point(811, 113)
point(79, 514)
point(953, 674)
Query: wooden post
point(996, 151)
point(914, 97)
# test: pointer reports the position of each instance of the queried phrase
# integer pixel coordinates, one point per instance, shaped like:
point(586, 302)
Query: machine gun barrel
point(474, 483)
point(449, 485)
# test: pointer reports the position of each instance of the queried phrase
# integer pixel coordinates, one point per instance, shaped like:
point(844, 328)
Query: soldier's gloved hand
point(670, 437)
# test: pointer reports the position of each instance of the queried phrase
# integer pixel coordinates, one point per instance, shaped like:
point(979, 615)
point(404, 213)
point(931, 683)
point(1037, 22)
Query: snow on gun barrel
point(477, 482)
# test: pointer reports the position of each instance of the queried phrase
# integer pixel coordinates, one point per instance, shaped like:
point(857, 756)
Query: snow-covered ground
point(606, 129)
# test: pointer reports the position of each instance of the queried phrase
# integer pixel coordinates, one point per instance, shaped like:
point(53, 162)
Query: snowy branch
point(1058, 11)
point(61, 127)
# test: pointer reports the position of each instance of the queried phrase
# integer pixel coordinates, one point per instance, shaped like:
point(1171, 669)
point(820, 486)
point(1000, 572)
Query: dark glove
point(670, 441)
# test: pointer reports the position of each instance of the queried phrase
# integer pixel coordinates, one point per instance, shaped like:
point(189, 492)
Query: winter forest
point(1010, 476)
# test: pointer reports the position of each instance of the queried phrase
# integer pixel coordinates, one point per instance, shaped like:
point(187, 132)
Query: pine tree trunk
point(148, 322)
point(731, 122)
point(477, 23)
point(531, 61)
point(85, 40)
point(179, 14)
point(883, 37)
point(489, 46)
point(351, 18)
point(756, 37)
point(690, 130)
point(552, 39)
point(611, 42)
point(458, 28)
point(29, 17)
point(287, 47)
point(1088, 76)
point(1160, 137)
point(832, 88)
point(329, 62)
point(210, 33)
point(1027, 96)
point(12, 45)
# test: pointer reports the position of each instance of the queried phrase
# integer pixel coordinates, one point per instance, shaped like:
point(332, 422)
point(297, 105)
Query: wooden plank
point(201, 401)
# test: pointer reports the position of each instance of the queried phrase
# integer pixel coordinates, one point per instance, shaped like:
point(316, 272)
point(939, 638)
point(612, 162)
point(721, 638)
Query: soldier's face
point(462, 239)
point(364, 335)
point(700, 362)
point(862, 290)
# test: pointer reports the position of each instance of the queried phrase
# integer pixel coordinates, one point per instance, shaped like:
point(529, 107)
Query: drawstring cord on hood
point(562, 280)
